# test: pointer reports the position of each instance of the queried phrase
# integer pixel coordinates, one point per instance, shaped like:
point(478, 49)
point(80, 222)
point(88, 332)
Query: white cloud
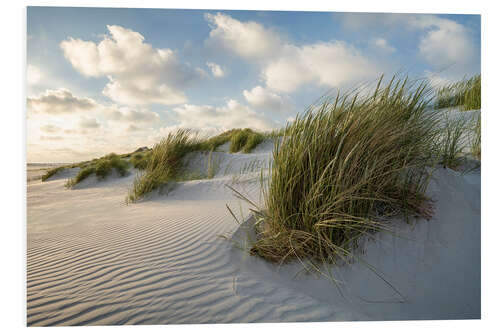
point(125, 114)
point(382, 45)
point(249, 40)
point(217, 71)
point(33, 74)
point(231, 115)
point(262, 98)
point(60, 101)
point(331, 64)
point(445, 42)
point(285, 66)
point(138, 73)
point(63, 102)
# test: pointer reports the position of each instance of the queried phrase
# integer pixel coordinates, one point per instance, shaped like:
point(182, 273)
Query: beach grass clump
point(165, 163)
point(216, 141)
point(343, 169)
point(465, 94)
point(452, 144)
point(245, 140)
point(52, 172)
point(101, 167)
point(239, 139)
point(140, 160)
point(253, 140)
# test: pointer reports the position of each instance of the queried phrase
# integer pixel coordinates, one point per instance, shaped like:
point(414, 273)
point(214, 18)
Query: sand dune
point(93, 260)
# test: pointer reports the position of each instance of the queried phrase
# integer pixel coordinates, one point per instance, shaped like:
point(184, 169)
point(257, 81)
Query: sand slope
point(93, 260)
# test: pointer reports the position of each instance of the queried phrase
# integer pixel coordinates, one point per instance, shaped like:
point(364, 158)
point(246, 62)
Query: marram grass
point(343, 169)
point(164, 165)
point(101, 167)
point(465, 94)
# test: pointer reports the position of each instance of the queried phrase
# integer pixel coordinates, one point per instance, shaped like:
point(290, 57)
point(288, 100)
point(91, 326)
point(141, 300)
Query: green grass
point(52, 172)
point(101, 167)
point(216, 141)
point(343, 168)
point(140, 160)
point(239, 139)
point(465, 94)
point(253, 140)
point(165, 164)
point(452, 144)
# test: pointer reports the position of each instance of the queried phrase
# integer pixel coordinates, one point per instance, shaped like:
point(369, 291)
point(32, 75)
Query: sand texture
point(93, 260)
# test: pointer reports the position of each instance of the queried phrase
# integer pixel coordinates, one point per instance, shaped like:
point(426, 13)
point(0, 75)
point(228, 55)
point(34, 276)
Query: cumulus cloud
point(445, 42)
point(217, 71)
point(63, 102)
point(126, 114)
point(249, 40)
point(331, 64)
point(60, 101)
point(285, 66)
point(262, 98)
point(231, 115)
point(138, 73)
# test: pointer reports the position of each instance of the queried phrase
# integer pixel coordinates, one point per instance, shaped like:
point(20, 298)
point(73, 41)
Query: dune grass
point(164, 165)
point(253, 140)
point(52, 172)
point(465, 94)
point(140, 160)
point(245, 140)
point(345, 167)
point(452, 144)
point(101, 167)
point(216, 141)
point(475, 137)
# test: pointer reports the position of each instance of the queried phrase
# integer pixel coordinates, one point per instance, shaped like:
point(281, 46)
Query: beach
point(180, 257)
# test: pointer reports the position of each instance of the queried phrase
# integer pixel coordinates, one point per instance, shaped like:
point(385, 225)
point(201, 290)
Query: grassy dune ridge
point(339, 171)
point(348, 165)
point(465, 94)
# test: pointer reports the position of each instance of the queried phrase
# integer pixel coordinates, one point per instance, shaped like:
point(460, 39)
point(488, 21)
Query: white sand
point(93, 260)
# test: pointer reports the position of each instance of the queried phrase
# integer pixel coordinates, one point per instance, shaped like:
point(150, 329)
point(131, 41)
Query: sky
point(103, 80)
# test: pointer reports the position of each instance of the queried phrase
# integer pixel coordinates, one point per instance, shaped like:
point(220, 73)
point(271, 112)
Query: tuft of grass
point(83, 174)
point(239, 139)
point(452, 144)
point(101, 167)
point(253, 140)
point(140, 160)
point(216, 141)
point(52, 172)
point(213, 165)
point(164, 165)
point(465, 94)
point(344, 168)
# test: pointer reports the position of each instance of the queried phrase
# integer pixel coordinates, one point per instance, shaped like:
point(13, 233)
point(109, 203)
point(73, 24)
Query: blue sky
point(102, 80)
